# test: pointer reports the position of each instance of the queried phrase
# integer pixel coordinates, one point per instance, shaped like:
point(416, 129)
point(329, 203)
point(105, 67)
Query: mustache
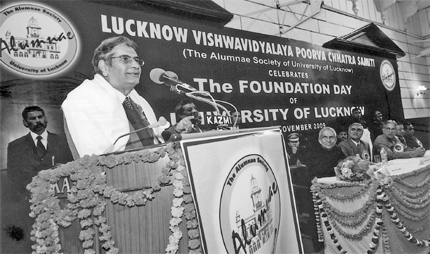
point(40, 125)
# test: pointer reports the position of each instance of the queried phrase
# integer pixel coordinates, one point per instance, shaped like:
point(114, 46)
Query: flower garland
point(350, 219)
point(425, 180)
point(414, 212)
point(324, 217)
point(395, 219)
point(379, 229)
point(323, 188)
point(85, 202)
point(177, 211)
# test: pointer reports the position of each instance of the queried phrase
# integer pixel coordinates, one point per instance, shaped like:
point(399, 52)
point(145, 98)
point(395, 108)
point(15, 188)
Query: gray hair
point(106, 46)
point(325, 129)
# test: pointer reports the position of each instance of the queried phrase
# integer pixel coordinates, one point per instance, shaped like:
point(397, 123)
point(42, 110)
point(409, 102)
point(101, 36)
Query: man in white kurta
point(94, 114)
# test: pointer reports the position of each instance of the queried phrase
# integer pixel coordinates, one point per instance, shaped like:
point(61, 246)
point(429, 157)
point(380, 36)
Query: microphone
point(161, 122)
point(169, 78)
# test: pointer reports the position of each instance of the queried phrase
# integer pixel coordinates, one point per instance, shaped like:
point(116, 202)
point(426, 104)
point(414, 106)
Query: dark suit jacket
point(413, 142)
point(321, 162)
point(23, 162)
point(350, 149)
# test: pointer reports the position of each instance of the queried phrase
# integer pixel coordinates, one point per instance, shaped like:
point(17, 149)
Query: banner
point(47, 47)
point(243, 193)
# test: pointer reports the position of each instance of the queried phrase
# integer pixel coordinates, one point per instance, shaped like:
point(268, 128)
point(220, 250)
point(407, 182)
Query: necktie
point(40, 148)
point(359, 149)
point(138, 120)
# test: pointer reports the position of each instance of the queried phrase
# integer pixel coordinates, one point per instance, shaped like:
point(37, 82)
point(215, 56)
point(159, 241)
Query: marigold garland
point(331, 217)
point(425, 180)
point(86, 204)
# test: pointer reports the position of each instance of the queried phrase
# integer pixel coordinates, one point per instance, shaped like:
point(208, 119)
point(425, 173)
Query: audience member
point(354, 146)
point(26, 156)
point(375, 127)
point(388, 141)
point(400, 133)
point(356, 117)
point(411, 140)
point(321, 162)
point(236, 119)
point(342, 135)
point(101, 110)
point(325, 156)
point(401, 145)
point(294, 150)
point(189, 120)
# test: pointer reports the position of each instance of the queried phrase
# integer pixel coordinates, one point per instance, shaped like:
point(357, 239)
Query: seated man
point(411, 140)
point(189, 120)
point(354, 145)
point(400, 134)
point(294, 150)
point(325, 156)
point(321, 162)
point(388, 141)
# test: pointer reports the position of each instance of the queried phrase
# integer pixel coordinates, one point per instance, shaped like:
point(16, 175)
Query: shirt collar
point(356, 143)
point(120, 96)
point(44, 136)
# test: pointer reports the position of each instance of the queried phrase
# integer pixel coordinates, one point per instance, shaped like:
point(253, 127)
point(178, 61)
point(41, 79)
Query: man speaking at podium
point(100, 113)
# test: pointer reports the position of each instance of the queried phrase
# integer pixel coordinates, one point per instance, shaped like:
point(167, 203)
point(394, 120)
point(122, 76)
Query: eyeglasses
point(331, 138)
point(358, 129)
point(128, 59)
point(391, 129)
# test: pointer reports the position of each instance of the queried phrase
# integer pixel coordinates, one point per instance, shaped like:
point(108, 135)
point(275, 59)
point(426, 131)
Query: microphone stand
point(208, 101)
point(174, 78)
point(161, 122)
point(191, 95)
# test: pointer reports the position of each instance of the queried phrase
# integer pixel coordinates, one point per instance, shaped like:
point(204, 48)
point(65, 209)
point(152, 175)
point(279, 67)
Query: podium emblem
point(250, 207)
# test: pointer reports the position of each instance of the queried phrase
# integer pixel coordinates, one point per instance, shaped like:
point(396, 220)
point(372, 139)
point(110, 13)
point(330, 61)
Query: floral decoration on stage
point(353, 169)
point(404, 199)
point(90, 192)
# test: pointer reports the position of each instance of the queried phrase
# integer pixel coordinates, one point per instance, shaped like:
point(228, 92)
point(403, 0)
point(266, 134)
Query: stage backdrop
point(47, 46)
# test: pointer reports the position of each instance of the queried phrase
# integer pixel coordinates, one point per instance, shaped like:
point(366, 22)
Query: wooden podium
point(136, 201)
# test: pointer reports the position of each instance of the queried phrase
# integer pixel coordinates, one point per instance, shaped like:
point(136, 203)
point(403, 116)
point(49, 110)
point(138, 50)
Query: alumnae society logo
point(36, 41)
point(250, 207)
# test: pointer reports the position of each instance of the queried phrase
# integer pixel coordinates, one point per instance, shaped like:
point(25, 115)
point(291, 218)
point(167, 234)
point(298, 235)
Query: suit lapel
point(30, 146)
point(354, 147)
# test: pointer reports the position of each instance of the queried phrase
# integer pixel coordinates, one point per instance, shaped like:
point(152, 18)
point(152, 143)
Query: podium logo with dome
point(250, 207)
point(36, 41)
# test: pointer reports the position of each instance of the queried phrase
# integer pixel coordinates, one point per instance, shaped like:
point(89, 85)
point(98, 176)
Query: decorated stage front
point(226, 192)
point(386, 216)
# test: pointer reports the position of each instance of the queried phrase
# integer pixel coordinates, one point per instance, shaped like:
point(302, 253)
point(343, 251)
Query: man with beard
point(342, 135)
point(26, 156)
